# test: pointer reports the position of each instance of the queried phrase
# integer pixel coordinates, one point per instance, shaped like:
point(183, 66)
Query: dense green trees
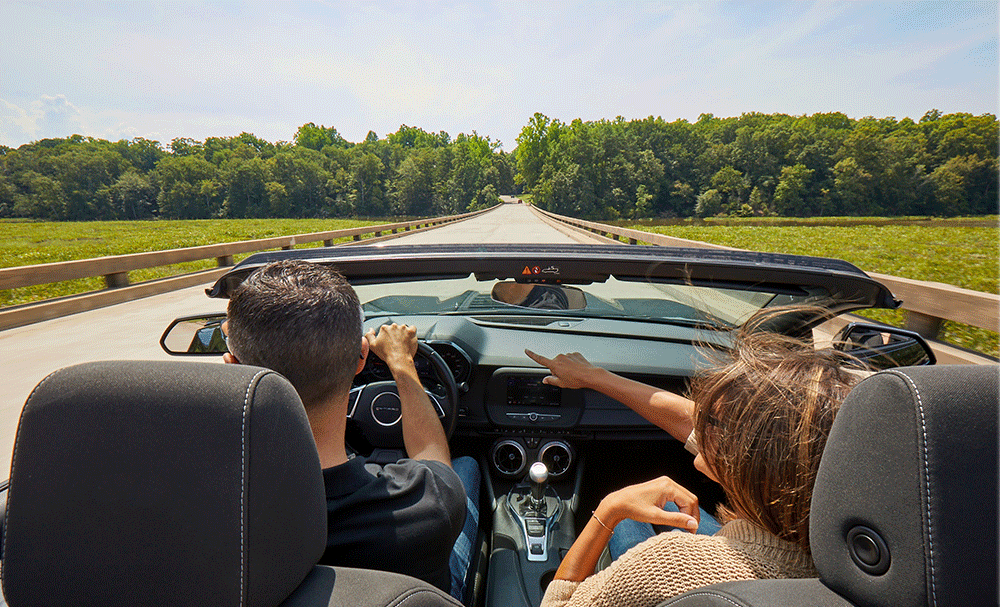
point(755, 164)
point(410, 172)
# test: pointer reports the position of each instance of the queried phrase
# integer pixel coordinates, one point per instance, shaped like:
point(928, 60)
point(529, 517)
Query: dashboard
point(504, 402)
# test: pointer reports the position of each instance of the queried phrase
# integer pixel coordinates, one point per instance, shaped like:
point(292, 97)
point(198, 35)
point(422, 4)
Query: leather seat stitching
point(412, 593)
point(702, 593)
point(13, 459)
point(243, 481)
point(927, 477)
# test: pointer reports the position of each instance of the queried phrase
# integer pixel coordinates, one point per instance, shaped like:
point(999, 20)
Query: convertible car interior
point(193, 483)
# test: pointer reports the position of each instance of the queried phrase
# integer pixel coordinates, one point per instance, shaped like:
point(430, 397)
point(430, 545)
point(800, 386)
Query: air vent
point(535, 321)
point(481, 301)
point(509, 458)
point(557, 457)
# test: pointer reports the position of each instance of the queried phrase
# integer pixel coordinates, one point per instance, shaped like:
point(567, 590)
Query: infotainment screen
point(525, 390)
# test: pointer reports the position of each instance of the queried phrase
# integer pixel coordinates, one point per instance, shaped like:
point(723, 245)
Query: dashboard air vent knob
point(509, 458)
point(557, 457)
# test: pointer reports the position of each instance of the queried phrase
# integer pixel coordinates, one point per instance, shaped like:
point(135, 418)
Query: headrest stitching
point(927, 483)
point(243, 480)
point(13, 464)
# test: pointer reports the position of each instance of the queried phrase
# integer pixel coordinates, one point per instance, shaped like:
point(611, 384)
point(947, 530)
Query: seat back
point(154, 483)
point(905, 506)
point(904, 510)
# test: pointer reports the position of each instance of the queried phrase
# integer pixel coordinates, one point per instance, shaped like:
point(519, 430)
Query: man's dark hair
point(302, 320)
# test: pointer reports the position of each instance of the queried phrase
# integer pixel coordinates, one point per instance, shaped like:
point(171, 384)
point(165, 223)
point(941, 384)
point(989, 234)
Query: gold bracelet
point(596, 518)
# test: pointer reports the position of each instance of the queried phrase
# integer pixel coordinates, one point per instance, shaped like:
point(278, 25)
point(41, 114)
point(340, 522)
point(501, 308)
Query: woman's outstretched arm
point(666, 409)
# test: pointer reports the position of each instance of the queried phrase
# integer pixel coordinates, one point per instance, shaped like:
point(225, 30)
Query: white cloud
point(47, 116)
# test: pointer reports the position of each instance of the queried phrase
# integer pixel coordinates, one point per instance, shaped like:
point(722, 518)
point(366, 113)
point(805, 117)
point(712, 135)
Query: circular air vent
point(509, 457)
point(557, 457)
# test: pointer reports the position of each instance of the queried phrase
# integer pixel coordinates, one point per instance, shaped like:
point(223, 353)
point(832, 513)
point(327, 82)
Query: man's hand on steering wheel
point(394, 344)
point(423, 435)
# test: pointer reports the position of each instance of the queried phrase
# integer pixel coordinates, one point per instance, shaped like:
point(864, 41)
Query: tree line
point(319, 174)
point(754, 164)
point(762, 164)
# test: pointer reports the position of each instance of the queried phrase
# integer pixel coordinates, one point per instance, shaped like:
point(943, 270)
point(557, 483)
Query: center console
point(532, 530)
point(533, 483)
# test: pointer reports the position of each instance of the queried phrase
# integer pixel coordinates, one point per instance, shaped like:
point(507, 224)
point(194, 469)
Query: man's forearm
point(423, 434)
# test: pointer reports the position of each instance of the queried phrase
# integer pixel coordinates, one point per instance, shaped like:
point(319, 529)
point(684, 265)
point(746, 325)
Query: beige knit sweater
point(672, 563)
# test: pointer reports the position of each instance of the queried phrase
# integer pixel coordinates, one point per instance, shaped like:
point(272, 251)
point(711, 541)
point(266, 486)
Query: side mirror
point(195, 336)
point(538, 296)
point(882, 347)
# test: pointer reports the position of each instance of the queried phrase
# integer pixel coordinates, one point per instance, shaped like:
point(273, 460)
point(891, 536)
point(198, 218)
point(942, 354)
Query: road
point(132, 330)
point(508, 223)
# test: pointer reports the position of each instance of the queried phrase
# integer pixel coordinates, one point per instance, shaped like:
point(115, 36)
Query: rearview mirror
point(882, 347)
point(538, 296)
point(195, 336)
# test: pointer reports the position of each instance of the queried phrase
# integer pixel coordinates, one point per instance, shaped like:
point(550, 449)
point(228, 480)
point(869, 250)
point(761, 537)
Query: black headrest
point(153, 483)
point(904, 510)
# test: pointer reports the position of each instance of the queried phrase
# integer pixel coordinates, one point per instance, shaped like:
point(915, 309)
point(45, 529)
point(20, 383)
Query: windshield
point(681, 304)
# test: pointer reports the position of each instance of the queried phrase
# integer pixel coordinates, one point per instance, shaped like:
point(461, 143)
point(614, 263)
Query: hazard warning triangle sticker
point(527, 270)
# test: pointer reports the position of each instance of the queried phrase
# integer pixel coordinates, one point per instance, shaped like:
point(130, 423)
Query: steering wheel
point(375, 407)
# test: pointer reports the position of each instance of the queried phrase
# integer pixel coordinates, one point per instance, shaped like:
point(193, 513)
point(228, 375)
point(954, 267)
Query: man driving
point(304, 321)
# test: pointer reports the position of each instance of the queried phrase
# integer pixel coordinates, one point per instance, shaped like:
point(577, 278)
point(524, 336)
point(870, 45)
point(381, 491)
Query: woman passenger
point(758, 423)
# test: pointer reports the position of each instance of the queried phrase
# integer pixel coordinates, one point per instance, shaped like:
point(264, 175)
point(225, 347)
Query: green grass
point(964, 253)
point(27, 243)
point(980, 222)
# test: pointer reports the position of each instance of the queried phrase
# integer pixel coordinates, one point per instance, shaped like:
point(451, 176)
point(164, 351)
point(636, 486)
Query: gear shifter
point(539, 476)
point(533, 510)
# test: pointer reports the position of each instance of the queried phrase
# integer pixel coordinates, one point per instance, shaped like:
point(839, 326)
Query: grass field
point(960, 252)
point(28, 243)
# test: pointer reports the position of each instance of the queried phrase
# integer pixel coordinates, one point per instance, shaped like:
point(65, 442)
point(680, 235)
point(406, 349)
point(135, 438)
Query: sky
point(166, 69)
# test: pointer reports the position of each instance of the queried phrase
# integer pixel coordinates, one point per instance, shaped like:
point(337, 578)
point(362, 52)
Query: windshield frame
point(836, 285)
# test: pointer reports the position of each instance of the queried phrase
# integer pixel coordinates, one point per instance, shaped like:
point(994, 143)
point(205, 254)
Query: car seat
point(182, 483)
point(904, 510)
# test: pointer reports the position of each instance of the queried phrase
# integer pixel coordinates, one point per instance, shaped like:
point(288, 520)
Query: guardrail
point(927, 304)
point(115, 269)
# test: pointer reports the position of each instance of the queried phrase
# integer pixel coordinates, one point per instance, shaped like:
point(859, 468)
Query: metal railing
point(927, 304)
point(115, 269)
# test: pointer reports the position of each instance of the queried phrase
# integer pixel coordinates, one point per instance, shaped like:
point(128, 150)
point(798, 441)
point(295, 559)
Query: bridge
point(131, 329)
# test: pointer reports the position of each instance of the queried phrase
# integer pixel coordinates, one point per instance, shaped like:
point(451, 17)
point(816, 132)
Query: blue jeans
point(629, 533)
point(461, 554)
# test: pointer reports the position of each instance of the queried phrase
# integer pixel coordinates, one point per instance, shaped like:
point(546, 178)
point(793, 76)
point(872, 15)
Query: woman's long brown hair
point(763, 415)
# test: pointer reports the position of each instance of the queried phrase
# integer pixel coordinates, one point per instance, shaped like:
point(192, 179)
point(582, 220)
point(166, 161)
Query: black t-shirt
point(403, 517)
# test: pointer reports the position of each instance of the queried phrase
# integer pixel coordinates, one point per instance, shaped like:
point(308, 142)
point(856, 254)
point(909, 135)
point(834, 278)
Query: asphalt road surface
point(132, 330)
point(507, 223)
